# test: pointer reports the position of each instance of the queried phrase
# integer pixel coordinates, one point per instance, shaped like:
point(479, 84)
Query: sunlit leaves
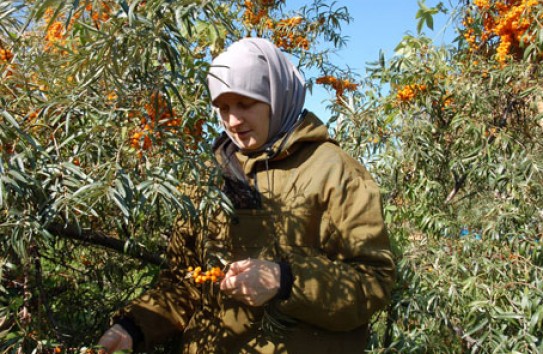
point(104, 122)
point(458, 148)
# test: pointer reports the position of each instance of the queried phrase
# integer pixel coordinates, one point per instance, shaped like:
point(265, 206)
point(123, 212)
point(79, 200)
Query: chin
point(247, 146)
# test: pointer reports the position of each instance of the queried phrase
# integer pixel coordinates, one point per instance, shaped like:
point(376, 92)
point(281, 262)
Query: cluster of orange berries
point(101, 15)
point(284, 35)
point(112, 96)
point(252, 16)
point(283, 31)
point(5, 55)
point(339, 85)
point(509, 20)
point(195, 133)
point(448, 102)
point(59, 350)
point(57, 32)
point(158, 111)
point(213, 275)
point(292, 41)
point(33, 115)
point(161, 117)
point(408, 92)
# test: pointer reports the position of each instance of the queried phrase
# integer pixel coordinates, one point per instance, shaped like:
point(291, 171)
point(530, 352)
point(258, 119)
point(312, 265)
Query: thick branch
point(458, 184)
point(100, 239)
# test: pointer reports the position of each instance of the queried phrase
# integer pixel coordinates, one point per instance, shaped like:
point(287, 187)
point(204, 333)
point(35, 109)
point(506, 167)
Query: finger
point(236, 284)
point(230, 273)
point(226, 282)
point(240, 266)
point(230, 283)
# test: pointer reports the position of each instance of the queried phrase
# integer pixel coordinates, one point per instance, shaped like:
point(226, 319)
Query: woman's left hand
point(252, 281)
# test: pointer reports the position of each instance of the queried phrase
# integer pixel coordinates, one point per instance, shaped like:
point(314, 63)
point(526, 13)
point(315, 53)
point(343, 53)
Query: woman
point(309, 257)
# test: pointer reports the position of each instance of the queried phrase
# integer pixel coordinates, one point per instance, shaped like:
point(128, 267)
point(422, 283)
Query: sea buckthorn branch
point(101, 239)
point(160, 117)
point(57, 31)
point(288, 33)
point(338, 85)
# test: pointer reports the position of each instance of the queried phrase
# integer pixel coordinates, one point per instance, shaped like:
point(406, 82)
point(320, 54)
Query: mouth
point(242, 134)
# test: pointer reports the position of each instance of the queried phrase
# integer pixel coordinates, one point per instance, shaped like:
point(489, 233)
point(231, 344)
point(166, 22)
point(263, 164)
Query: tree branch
point(100, 239)
point(458, 184)
point(469, 342)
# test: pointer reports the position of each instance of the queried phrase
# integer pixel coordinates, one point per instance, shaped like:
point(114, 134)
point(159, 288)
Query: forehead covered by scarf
point(256, 68)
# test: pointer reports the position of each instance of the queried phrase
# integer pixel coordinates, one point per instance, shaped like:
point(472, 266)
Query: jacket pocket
point(299, 229)
point(251, 232)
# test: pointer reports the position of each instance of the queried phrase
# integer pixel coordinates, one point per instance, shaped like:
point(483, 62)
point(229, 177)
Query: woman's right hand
point(252, 281)
point(116, 338)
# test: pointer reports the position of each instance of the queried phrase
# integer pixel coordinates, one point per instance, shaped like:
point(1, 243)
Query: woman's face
point(246, 119)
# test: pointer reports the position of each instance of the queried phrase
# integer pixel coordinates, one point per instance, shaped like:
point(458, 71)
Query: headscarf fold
point(256, 68)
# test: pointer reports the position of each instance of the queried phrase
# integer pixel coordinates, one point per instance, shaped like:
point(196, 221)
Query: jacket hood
point(310, 129)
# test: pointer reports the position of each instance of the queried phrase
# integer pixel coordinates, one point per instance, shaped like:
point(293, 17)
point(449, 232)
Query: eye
point(247, 103)
point(223, 109)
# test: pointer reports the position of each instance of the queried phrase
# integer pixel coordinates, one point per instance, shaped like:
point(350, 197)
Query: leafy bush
point(102, 124)
point(453, 134)
point(104, 118)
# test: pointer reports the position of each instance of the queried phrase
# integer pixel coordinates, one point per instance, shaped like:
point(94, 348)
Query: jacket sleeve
point(164, 311)
point(343, 287)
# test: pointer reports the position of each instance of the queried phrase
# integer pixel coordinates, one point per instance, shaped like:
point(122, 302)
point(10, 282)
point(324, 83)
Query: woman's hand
point(116, 338)
point(252, 281)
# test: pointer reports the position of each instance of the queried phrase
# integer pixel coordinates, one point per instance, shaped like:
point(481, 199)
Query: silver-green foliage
point(454, 139)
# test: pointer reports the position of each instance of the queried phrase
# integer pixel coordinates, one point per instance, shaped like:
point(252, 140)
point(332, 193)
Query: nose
point(234, 117)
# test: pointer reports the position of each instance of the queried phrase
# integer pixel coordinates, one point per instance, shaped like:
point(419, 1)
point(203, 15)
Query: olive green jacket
point(322, 214)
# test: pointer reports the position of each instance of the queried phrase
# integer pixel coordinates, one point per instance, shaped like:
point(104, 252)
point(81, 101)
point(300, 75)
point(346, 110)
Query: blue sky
point(376, 25)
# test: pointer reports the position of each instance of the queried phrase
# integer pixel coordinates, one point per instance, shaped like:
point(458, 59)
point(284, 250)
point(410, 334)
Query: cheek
point(223, 121)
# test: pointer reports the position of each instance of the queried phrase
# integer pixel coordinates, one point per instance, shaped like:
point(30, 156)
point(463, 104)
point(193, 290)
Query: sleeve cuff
point(286, 281)
point(133, 330)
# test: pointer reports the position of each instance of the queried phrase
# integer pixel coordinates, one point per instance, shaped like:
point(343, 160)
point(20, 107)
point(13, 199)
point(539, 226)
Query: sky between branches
point(376, 25)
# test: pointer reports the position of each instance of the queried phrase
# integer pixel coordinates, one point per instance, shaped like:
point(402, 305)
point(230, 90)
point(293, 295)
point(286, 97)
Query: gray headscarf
point(256, 68)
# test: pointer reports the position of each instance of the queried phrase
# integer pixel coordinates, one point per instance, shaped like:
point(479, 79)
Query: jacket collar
point(310, 129)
